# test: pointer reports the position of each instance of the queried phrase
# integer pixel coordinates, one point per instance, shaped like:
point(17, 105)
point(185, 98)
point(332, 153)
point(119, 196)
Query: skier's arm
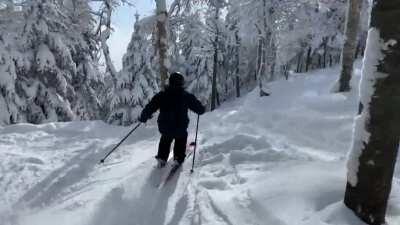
point(150, 108)
point(195, 105)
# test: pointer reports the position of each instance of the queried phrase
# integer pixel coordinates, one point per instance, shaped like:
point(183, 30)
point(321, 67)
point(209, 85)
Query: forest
point(56, 63)
point(307, 81)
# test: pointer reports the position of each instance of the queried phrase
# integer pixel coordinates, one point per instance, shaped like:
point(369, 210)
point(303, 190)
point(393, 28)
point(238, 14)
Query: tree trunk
point(214, 94)
point(308, 59)
point(298, 68)
point(265, 41)
point(272, 59)
point(259, 56)
point(214, 80)
point(237, 86)
point(373, 157)
point(349, 47)
point(325, 51)
point(237, 80)
point(162, 40)
point(319, 61)
point(260, 60)
point(104, 36)
point(358, 49)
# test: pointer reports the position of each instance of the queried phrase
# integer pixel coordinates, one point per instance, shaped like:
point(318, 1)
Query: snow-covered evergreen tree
point(9, 100)
point(196, 53)
point(232, 57)
point(59, 82)
point(50, 62)
point(137, 81)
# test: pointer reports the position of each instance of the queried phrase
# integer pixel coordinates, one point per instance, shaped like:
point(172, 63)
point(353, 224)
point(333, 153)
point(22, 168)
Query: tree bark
point(237, 80)
point(358, 49)
point(214, 91)
point(298, 68)
point(325, 44)
point(162, 40)
point(104, 36)
point(308, 59)
point(379, 111)
point(349, 47)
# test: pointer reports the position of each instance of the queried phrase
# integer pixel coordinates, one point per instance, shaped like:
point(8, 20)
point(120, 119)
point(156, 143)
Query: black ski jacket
point(173, 104)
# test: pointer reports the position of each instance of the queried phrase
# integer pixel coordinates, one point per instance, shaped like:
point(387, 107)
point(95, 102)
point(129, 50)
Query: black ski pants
point(179, 147)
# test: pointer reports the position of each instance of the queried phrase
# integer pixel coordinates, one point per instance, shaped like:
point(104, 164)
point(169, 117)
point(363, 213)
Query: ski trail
point(219, 204)
point(160, 206)
point(178, 214)
point(139, 200)
point(75, 170)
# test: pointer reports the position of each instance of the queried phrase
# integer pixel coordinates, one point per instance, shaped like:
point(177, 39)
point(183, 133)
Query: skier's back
point(173, 103)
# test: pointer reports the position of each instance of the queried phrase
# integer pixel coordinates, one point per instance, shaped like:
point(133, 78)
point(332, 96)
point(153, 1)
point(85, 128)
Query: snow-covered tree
point(9, 100)
point(59, 77)
point(137, 82)
point(195, 55)
point(215, 29)
point(377, 127)
point(232, 56)
point(50, 62)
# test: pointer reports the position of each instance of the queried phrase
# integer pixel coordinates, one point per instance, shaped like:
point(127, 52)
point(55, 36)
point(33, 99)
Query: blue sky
point(123, 21)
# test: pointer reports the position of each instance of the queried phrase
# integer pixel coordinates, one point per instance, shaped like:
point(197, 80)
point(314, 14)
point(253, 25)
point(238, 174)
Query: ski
point(172, 172)
point(158, 174)
point(169, 175)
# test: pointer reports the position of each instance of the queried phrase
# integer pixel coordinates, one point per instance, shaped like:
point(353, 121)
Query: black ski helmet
point(176, 79)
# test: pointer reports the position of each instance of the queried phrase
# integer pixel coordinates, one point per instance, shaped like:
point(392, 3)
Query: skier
point(173, 119)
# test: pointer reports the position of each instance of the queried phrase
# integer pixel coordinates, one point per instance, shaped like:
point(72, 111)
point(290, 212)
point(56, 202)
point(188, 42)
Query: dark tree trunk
point(319, 61)
point(368, 195)
point(298, 68)
point(325, 51)
point(237, 86)
point(237, 80)
point(301, 67)
point(285, 71)
point(358, 49)
point(308, 59)
point(214, 91)
point(214, 79)
point(272, 77)
point(349, 47)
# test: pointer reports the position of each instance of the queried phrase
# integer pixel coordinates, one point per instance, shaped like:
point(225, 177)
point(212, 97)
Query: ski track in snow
point(275, 160)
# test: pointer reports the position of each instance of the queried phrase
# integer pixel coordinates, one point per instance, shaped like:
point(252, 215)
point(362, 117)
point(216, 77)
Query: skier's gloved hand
point(142, 119)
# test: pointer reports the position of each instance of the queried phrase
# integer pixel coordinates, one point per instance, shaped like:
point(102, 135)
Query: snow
point(45, 59)
point(273, 160)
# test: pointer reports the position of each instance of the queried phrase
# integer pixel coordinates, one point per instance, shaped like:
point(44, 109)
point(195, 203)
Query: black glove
point(142, 119)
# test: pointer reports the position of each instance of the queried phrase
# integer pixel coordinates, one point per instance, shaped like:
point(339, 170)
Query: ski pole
point(116, 146)
point(195, 143)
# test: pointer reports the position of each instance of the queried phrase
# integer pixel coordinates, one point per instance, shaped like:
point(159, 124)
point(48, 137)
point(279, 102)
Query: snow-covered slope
point(274, 160)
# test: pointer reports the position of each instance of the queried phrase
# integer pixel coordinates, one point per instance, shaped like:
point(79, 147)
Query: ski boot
point(161, 163)
point(176, 163)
